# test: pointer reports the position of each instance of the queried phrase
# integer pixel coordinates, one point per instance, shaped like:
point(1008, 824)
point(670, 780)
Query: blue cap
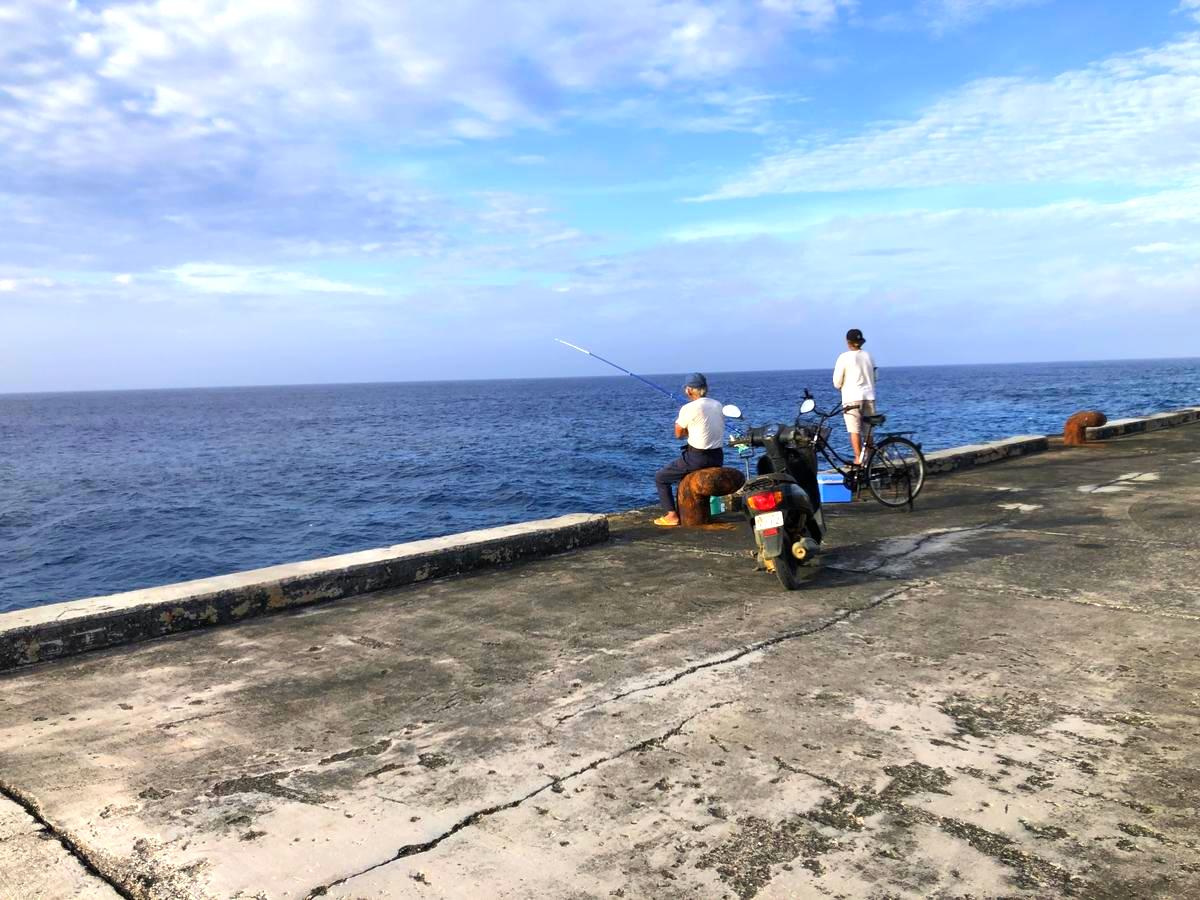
point(696, 380)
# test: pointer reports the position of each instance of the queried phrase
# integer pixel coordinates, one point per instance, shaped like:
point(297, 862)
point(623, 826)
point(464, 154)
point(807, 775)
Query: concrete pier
point(997, 694)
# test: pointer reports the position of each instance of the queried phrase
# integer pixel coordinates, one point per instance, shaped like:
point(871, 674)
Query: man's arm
point(681, 429)
point(839, 374)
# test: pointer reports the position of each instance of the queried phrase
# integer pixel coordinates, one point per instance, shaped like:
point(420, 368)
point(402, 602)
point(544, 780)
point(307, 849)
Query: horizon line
point(303, 384)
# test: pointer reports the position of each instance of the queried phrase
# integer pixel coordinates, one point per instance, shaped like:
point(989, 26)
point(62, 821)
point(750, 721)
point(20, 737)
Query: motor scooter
point(782, 502)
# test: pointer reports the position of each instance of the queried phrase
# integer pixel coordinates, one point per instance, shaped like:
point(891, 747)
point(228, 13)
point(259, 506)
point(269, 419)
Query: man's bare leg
point(856, 446)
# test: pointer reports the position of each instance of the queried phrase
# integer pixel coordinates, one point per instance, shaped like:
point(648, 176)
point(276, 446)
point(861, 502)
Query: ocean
point(103, 492)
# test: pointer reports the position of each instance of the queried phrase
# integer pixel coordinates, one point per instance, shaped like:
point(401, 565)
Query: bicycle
point(895, 467)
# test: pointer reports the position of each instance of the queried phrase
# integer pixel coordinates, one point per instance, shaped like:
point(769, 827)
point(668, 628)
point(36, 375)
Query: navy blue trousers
point(689, 461)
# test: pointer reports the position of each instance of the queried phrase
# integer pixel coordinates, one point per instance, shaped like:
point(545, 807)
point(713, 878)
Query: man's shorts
point(853, 414)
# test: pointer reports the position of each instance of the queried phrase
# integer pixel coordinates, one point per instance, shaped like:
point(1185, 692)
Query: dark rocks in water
point(1075, 431)
point(698, 486)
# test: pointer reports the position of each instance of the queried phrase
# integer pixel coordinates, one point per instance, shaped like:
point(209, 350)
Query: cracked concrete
point(476, 817)
point(37, 862)
point(965, 701)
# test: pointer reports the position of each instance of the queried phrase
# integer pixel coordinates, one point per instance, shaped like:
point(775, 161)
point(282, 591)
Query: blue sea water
point(111, 491)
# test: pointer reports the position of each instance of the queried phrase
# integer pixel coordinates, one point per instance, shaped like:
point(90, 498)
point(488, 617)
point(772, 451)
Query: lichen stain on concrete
point(915, 778)
point(275, 598)
point(240, 610)
point(1029, 871)
point(433, 760)
point(1007, 714)
point(375, 749)
point(744, 860)
point(31, 650)
point(267, 783)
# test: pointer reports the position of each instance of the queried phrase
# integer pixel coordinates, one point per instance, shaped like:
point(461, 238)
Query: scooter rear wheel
point(787, 570)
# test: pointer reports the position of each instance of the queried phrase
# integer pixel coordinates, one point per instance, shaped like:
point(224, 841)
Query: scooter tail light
point(767, 532)
point(764, 502)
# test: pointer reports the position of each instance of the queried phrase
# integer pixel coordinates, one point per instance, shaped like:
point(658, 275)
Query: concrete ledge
point(954, 459)
point(1119, 427)
point(77, 626)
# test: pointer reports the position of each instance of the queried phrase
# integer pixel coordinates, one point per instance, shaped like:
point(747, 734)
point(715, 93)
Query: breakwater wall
point(65, 629)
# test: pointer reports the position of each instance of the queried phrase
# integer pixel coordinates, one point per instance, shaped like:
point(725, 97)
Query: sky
point(225, 192)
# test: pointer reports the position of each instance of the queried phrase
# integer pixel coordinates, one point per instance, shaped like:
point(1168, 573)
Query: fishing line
point(609, 362)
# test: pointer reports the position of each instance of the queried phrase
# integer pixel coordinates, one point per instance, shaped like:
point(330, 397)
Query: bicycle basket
point(818, 435)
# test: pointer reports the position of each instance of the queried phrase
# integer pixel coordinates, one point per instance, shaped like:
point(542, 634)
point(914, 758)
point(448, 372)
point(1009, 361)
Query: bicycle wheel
point(896, 471)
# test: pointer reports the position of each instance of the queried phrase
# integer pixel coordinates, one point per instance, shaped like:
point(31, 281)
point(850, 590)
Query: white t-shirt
point(854, 374)
point(704, 421)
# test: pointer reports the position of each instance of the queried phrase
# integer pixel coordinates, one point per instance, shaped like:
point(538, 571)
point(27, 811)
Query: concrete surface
point(59, 630)
point(993, 696)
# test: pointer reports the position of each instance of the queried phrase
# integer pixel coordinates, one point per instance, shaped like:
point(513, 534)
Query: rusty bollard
point(1075, 431)
point(698, 486)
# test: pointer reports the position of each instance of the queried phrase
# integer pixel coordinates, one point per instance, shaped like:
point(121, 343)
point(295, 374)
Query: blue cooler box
point(833, 488)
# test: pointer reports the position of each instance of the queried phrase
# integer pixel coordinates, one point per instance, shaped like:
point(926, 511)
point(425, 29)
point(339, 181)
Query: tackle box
point(833, 488)
point(722, 504)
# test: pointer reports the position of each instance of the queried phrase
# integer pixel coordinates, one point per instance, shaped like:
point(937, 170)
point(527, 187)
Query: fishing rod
point(609, 362)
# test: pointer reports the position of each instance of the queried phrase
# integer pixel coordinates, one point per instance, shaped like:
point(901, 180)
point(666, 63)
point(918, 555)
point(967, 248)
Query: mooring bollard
point(1075, 431)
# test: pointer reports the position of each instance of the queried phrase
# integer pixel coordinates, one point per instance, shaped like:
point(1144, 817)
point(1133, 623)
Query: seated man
point(703, 424)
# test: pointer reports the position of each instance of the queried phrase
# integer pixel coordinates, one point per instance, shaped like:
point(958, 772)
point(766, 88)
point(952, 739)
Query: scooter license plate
point(768, 520)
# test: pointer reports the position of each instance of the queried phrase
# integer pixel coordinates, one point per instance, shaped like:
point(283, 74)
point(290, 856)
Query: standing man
point(701, 421)
point(854, 376)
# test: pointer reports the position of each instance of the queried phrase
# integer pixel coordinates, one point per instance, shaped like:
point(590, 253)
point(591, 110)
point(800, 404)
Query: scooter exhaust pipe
point(803, 549)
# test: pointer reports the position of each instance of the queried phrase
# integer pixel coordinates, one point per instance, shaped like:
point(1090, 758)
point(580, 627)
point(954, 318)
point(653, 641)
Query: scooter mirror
point(731, 411)
point(808, 405)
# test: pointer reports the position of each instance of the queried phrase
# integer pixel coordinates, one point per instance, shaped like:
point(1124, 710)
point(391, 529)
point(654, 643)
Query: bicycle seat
point(876, 420)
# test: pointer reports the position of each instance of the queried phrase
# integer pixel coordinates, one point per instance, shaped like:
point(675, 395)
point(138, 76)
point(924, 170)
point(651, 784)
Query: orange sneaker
point(665, 522)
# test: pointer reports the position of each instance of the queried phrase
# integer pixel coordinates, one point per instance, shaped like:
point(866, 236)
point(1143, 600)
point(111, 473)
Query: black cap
point(854, 336)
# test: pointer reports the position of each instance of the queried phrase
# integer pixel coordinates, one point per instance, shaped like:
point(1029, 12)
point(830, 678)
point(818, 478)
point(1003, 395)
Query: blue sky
point(248, 192)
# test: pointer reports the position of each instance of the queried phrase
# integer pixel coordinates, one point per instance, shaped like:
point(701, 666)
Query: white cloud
point(728, 109)
point(944, 15)
point(11, 285)
point(1191, 7)
point(1130, 119)
point(981, 268)
point(214, 278)
point(1167, 248)
point(124, 278)
point(140, 130)
point(164, 72)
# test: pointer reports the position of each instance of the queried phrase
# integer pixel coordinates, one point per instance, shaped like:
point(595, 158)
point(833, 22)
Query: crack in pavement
point(1106, 539)
point(1127, 478)
point(748, 555)
point(844, 616)
point(72, 848)
point(479, 815)
point(701, 551)
point(167, 726)
point(929, 537)
point(1051, 598)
